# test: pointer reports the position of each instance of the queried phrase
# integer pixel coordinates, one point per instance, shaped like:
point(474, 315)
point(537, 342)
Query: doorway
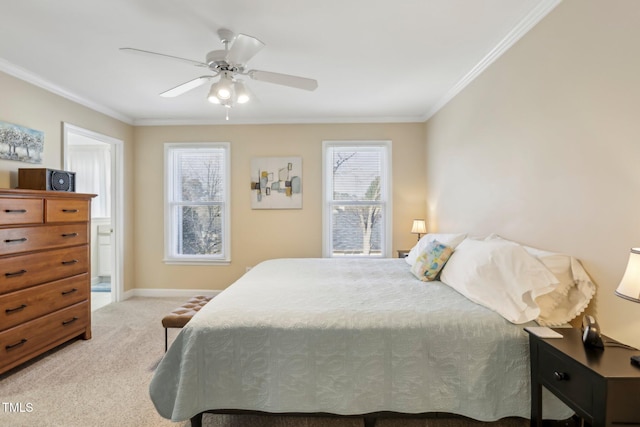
point(96, 160)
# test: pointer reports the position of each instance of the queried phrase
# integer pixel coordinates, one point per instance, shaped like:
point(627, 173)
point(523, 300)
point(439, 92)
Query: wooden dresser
point(45, 294)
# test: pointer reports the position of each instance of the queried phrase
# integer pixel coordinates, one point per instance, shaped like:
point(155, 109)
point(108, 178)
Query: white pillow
point(573, 293)
point(499, 275)
point(452, 240)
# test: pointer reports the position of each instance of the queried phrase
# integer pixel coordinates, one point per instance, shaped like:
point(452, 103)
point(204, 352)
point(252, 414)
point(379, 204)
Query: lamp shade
point(629, 287)
point(419, 226)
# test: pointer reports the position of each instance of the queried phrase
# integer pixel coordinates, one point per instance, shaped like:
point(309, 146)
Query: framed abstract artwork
point(276, 183)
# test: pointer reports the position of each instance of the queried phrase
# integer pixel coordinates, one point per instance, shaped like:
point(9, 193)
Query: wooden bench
point(181, 315)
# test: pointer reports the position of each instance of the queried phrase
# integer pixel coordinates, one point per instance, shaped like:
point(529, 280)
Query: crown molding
point(527, 23)
point(29, 77)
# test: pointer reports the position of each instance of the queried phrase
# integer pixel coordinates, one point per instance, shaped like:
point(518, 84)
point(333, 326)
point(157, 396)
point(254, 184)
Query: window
point(357, 198)
point(197, 202)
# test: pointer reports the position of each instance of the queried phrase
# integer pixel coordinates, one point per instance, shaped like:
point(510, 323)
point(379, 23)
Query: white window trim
point(169, 258)
point(327, 171)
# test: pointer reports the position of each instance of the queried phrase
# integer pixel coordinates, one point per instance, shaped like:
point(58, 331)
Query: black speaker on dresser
point(46, 179)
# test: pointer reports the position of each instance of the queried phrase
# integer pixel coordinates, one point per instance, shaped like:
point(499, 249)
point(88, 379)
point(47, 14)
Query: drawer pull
point(561, 376)
point(18, 344)
point(69, 291)
point(15, 273)
point(15, 210)
point(70, 210)
point(13, 310)
point(68, 322)
point(22, 239)
point(73, 261)
point(69, 234)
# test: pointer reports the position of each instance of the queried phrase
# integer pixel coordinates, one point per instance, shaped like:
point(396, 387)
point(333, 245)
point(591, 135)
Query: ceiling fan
point(229, 63)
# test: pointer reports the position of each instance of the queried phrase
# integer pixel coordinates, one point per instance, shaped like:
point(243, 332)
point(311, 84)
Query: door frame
point(117, 198)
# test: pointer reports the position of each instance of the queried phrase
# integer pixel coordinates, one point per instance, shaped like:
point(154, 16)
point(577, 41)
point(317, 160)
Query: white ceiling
point(375, 60)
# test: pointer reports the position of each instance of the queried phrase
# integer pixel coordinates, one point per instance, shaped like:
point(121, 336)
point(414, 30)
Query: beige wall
point(544, 148)
point(27, 105)
point(262, 234)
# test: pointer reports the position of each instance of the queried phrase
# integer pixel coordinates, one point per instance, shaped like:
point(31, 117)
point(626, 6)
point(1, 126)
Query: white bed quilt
point(346, 336)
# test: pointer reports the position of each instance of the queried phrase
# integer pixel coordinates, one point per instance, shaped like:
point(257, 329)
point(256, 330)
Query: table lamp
point(419, 227)
point(629, 287)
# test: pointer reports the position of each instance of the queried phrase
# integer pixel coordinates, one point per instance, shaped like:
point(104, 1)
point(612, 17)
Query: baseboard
point(159, 293)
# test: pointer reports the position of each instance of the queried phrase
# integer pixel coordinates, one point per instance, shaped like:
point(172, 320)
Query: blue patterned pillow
point(431, 260)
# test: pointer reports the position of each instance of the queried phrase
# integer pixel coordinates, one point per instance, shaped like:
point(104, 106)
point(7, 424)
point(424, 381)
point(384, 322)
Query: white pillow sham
point(499, 275)
point(573, 293)
point(452, 240)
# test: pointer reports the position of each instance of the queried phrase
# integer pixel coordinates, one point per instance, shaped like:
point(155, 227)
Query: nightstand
point(601, 386)
point(402, 253)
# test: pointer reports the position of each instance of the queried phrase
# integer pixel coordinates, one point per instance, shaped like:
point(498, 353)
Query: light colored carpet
point(99, 382)
point(104, 381)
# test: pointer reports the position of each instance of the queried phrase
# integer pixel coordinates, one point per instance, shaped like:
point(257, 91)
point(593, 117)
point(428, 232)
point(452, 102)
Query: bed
point(358, 337)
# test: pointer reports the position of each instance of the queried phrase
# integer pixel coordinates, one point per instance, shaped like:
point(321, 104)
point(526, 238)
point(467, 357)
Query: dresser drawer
point(66, 210)
point(21, 271)
point(28, 304)
point(566, 379)
point(24, 340)
point(25, 239)
point(21, 211)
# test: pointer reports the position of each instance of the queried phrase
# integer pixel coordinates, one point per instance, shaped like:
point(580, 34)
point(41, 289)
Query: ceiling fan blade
point(284, 79)
point(186, 87)
point(244, 47)
point(176, 58)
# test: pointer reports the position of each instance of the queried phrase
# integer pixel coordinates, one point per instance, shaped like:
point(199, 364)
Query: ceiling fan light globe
point(212, 97)
point(223, 93)
point(242, 94)
point(223, 88)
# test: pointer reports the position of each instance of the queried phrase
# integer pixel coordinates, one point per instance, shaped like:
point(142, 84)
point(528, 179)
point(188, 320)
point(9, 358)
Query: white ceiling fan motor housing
point(217, 58)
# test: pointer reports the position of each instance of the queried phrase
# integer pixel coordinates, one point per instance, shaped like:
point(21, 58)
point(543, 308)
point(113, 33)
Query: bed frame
point(371, 418)
point(196, 421)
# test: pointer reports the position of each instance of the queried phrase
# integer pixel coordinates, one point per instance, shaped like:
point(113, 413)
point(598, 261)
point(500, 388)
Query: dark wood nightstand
point(601, 386)
point(402, 253)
